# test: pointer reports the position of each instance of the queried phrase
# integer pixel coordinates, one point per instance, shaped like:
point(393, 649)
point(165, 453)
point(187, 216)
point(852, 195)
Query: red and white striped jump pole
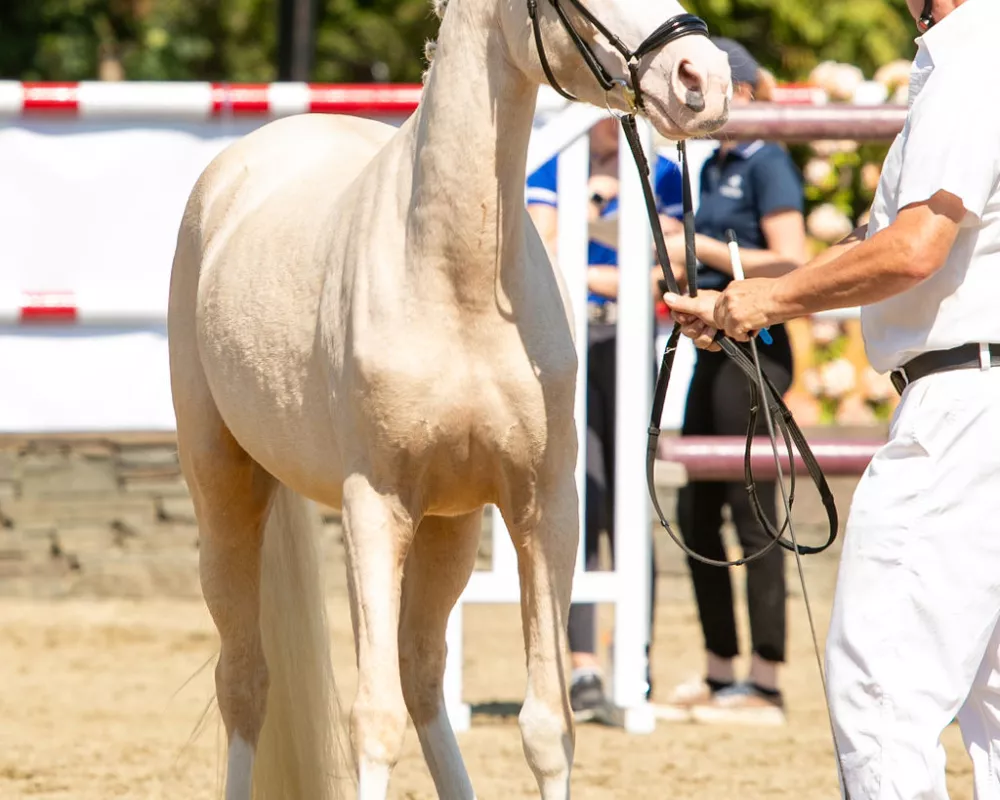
point(72, 309)
point(802, 117)
point(201, 100)
point(720, 458)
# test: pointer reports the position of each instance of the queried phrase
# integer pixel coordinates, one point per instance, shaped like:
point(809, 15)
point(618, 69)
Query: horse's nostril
point(689, 76)
point(692, 85)
point(695, 101)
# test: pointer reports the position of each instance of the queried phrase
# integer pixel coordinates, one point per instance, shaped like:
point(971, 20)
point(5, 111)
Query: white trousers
point(914, 640)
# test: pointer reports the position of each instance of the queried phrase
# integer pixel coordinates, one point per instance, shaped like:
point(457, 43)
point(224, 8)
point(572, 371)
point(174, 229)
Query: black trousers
point(718, 403)
point(600, 487)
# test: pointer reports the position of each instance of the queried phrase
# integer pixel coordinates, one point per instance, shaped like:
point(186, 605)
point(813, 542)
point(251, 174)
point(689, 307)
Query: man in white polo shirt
point(914, 640)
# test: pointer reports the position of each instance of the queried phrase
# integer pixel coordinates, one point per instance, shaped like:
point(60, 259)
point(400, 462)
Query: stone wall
point(112, 516)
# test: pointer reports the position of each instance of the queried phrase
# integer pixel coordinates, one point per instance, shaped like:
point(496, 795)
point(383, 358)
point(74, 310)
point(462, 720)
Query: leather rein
point(777, 412)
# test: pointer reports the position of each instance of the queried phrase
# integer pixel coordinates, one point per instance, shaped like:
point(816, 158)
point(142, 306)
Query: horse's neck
point(465, 229)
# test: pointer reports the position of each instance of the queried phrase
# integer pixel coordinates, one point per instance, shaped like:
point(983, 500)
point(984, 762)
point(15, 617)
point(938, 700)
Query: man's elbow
point(924, 263)
point(923, 235)
point(919, 259)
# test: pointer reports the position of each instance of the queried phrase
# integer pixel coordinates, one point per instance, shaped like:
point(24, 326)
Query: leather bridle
point(671, 30)
point(778, 413)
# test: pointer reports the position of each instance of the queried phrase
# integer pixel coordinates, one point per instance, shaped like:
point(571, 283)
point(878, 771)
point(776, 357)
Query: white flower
point(818, 172)
point(828, 223)
point(877, 387)
point(812, 383)
point(825, 331)
point(894, 74)
point(839, 81)
point(830, 147)
point(837, 378)
point(870, 175)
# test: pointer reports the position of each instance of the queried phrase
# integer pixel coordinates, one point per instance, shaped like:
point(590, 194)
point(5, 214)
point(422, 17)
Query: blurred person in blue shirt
point(755, 189)
point(587, 687)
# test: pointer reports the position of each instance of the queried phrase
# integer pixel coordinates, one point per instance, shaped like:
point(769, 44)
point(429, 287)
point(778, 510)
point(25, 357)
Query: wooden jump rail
point(720, 458)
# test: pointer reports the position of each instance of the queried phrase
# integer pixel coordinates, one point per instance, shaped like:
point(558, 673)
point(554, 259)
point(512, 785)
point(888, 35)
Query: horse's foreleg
point(441, 559)
point(377, 534)
point(546, 551)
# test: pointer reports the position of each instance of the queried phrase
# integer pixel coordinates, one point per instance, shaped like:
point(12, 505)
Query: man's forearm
point(852, 273)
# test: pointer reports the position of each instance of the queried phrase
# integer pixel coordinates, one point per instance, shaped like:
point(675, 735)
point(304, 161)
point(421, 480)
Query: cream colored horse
point(366, 317)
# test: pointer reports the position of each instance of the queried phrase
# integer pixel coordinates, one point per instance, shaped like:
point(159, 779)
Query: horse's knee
point(378, 728)
point(548, 736)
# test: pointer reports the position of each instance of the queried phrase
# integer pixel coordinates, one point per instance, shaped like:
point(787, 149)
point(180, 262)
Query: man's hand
point(695, 315)
point(696, 330)
point(741, 310)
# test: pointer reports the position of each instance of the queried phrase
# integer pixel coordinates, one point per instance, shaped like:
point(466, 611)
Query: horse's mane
point(430, 47)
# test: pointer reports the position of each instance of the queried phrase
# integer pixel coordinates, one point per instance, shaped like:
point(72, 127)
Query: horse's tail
point(299, 754)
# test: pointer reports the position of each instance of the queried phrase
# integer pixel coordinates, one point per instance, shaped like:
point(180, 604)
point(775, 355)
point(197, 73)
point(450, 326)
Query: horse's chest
point(461, 414)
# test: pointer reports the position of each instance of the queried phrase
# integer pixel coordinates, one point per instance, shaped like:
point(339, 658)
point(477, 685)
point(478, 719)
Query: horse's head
point(684, 84)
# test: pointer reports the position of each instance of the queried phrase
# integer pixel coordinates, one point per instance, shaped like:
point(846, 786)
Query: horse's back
point(246, 282)
point(317, 155)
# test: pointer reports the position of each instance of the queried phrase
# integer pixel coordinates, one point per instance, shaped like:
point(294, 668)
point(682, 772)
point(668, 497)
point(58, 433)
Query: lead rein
point(775, 409)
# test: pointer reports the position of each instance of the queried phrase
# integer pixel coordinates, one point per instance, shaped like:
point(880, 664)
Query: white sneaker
point(741, 703)
point(681, 699)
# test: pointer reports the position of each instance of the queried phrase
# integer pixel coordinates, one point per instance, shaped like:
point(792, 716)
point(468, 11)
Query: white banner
point(89, 212)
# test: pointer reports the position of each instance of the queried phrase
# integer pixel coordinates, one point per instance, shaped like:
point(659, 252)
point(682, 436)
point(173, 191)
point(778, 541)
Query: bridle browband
point(745, 357)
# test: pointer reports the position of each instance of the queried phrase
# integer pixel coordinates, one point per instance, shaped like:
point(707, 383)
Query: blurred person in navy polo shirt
point(755, 189)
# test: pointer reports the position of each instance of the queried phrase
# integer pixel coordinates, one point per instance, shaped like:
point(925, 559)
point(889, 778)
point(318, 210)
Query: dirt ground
point(103, 683)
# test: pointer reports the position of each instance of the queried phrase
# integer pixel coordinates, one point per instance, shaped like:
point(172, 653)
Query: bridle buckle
point(627, 92)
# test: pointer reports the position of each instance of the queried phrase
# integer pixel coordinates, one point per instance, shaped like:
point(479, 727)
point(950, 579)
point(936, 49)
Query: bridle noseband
point(671, 30)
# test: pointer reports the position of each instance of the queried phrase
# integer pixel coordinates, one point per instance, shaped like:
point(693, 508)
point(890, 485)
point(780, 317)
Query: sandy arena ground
point(97, 700)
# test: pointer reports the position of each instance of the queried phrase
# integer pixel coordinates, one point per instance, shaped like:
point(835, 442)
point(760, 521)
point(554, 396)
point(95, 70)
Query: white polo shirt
point(951, 141)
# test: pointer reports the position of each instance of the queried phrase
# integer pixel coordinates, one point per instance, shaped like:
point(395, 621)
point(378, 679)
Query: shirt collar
point(954, 33)
point(744, 149)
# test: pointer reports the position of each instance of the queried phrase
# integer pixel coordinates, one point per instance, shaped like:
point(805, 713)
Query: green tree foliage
point(145, 39)
point(356, 40)
point(364, 40)
point(790, 37)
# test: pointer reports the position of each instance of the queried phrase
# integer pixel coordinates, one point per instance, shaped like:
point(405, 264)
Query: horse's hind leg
point(442, 557)
point(546, 538)
point(231, 496)
point(377, 535)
